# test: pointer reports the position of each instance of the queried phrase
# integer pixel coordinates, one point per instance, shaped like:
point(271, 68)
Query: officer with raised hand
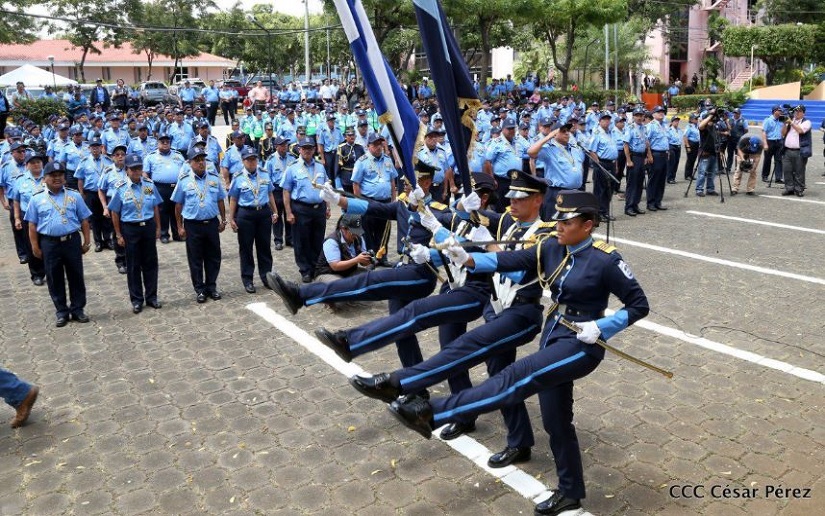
point(56, 215)
point(198, 199)
point(136, 219)
point(163, 167)
point(252, 211)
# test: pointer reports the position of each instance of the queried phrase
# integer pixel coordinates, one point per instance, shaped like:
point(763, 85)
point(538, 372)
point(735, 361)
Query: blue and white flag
point(458, 101)
point(391, 104)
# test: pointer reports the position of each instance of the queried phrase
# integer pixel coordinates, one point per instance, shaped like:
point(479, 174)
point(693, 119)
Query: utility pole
point(306, 40)
point(606, 58)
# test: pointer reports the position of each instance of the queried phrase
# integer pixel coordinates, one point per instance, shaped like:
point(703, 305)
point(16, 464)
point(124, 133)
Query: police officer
point(374, 177)
point(503, 155)
point(589, 271)
point(659, 146)
point(328, 140)
point(603, 154)
point(347, 155)
point(163, 167)
point(213, 149)
point(113, 175)
point(88, 175)
point(554, 155)
point(72, 154)
point(437, 157)
point(691, 140)
point(143, 144)
point(22, 190)
point(305, 209)
point(252, 211)
point(9, 172)
point(135, 209)
point(232, 163)
point(738, 128)
point(56, 215)
point(637, 155)
point(115, 135)
point(772, 145)
point(619, 134)
point(674, 141)
point(276, 165)
point(198, 198)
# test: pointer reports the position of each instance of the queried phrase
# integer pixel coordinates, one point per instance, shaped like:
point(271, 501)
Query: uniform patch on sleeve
point(625, 268)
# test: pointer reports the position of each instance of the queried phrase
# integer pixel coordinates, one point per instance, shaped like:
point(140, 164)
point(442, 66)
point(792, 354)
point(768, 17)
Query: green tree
point(93, 24)
point(778, 46)
point(632, 55)
point(792, 11)
point(16, 28)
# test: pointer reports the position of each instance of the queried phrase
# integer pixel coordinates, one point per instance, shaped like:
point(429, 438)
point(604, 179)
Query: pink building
point(689, 44)
point(112, 64)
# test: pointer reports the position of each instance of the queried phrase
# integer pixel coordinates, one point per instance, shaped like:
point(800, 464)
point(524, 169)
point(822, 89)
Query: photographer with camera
point(738, 129)
point(708, 154)
point(344, 251)
point(772, 144)
point(798, 148)
point(749, 150)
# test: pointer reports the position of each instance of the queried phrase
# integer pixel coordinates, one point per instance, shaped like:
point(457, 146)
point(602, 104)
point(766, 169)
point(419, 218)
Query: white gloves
point(429, 221)
point(480, 234)
point(420, 253)
point(589, 332)
point(416, 196)
point(471, 202)
point(457, 254)
point(329, 194)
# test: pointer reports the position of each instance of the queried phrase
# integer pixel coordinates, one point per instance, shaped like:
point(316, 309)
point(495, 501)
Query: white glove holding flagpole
point(480, 234)
point(416, 196)
point(457, 254)
point(471, 202)
point(420, 253)
point(429, 221)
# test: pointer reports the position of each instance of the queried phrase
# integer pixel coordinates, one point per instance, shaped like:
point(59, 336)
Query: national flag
point(392, 105)
point(458, 101)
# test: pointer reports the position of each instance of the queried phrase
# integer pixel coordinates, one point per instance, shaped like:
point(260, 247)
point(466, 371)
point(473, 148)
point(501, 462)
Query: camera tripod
point(720, 170)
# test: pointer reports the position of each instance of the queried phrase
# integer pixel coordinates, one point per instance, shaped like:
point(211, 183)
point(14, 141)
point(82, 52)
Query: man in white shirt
point(797, 139)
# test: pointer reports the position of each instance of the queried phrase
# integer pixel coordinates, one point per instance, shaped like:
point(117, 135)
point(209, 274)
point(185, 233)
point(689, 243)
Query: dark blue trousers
point(254, 227)
point(635, 179)
point(36, 268)
point(673, 161)
point(308, 235)
point(97, 220)
point(203, 252)
point(495, 342)
point(281, 230)
point(141, 261)
point(603, 185)
point(64, 262)
point(19, 237)
point(406, 283)
point(167, 210)
point(656, 179)
point(550, 373)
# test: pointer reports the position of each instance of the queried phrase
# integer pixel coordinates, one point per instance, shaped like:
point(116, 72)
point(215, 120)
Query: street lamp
point(252, 19)
point(51, 65)
point(750, 88)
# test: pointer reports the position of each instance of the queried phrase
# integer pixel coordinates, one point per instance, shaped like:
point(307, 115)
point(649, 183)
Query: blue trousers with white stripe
point(407, 282)
point(550, 373)
point(495, 342)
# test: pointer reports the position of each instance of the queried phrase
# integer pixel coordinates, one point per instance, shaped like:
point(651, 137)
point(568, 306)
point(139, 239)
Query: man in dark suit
point(100, 95)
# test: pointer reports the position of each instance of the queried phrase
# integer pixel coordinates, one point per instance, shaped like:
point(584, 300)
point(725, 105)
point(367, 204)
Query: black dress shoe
point(335, 341)
point(137, 308)
point(306, 278)
point(671, 181)
point(416, 414)
point(556, 504)
point(216, 296)
point(509, 456)
point(779, 182)
point(38, 281)
point(154, 304)
point(250, 288)
point(80, 317)
point(800, 194)
point(735, 192)
point(98, 247)
point(377, 386)
point(752, 194)
point(164, 240)
point(639, 211)
point(788, 192)
point(201, 297)
point(61, 322)
point(713, 194)
point(288, 292)
point(651, 208)
point(454, 430)
point(661, 208)
point(121, 269)
point(279, 246)
point(110, 246)
point(630, 213)
point(24, 261)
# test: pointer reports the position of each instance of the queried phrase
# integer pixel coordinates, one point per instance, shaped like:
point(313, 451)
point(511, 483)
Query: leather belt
point(196, 221)
point(526, 300)
point(254, 208)
point(63, 238)
point(575, 312)
point(638, 154)
point(139, 223)
point(302, 203)
point(658, 152)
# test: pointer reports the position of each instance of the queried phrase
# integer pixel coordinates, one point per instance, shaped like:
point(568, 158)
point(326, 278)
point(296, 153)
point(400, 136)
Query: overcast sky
point(293, 7)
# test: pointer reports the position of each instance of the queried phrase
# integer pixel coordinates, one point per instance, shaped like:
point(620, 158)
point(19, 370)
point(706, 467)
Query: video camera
point(719, 113)
point(787, 112)
point(746, 165)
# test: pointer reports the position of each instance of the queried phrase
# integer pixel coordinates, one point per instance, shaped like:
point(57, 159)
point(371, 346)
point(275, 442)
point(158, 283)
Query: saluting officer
point(276, 165)
point(56, 215)
point(305, 209)
point(136, 218)
point(198, 199)
point(88, 175)
point(22, 190)
point(374, 178)
point(163, 167)
point(348, 154)
point(252, 211)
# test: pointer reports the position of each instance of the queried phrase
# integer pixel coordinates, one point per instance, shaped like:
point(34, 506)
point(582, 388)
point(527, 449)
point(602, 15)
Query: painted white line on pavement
point(718, 261)
point(820, 182)
point(789, 198)
point(760, 222)
point(518, 480)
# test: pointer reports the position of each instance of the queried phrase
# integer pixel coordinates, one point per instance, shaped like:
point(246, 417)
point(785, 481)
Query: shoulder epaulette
point(149, 179)
point(363, 157)
point(70, 189)
point(548, 224)
point(120, 183)
point(183, 175)
point(212, 172)
point(438, 205)
point(601, 245)
point(38, 191)
point(341, 144)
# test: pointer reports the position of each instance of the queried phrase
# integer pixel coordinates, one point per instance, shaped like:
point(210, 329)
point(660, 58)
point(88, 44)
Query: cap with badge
point(424, 170)
point(482, 181)
point(352, 223)
point(432, 131)
point(523, 185)
point(279, 141)
point(134, 161)
point(375, 137)
point(95, 142)
point(119, 147)
point(17, 145)
point(164, 136)
point(547, 121)
point(639, 111)
point(196, 151)
point(573, 203)
point(524, 126)
point(306, 142)
point(55, 167)
point(75, 131)
point(658, 109)
point(237, 134)
point(30, 155)
point(362, 123)
point(605, 114)
point(249, 152)
point(508, 123)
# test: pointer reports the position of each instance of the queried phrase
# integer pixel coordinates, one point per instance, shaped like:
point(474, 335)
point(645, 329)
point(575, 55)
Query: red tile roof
point(66, 55)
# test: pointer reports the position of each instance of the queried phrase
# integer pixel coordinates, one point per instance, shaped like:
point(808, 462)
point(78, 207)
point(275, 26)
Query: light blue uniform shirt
point(504, 156)
point(251, 190)
point(72, 155)
point(435, 158)
point(287, 130)
point(210, 94)
point(9, 171)
point(135, 202)
point(636, 138)
point(112, 139)
point(24, 187)
point(181, 134)
point(692, 133)
point(298, 181)
point(674, 136)
point(90, 171)
point(375, 176)
point(561, 169)
point(142, 147)
point(232, 160)
point(111, 177)
point(772, 128)
point(476, 163)
point(329, 138)
point(227, 95)
point(55, 146)
point(276, 166)
point(57, 214)
point(657, 135)
point(199, 195)
point(213, 149)
point(163, 168)
point(187, 94)
point(619, 138)
point(604, 144)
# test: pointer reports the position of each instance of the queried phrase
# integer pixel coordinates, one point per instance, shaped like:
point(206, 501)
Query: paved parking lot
point(224, 408)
